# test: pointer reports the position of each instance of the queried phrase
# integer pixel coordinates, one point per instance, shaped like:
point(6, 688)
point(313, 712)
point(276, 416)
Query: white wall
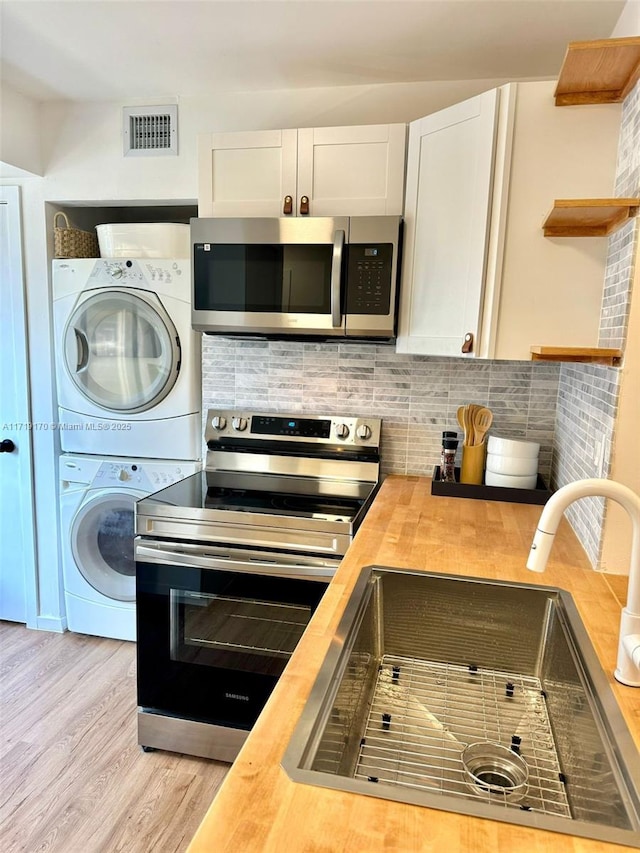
point(629, 21)
point(20, 131)
point(82, 148)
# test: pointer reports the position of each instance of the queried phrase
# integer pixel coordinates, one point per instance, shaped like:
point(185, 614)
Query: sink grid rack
point(423, 714)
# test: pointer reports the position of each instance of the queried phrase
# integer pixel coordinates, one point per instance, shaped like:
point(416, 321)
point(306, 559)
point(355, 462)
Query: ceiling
point(96, 50)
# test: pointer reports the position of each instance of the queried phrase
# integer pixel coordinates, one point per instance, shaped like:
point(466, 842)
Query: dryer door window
point(102, 543)
point(122, 351)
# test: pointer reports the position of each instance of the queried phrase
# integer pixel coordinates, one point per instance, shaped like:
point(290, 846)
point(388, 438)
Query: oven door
point(213, 641)
point(269, 276)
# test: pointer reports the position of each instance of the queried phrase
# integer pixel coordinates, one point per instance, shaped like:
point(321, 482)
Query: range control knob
point(239, 424)
point(364, 431)
point(342, 430)
point(218, 422)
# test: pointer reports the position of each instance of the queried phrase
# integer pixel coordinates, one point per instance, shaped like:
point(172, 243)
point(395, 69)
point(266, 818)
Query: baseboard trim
point(58, 624)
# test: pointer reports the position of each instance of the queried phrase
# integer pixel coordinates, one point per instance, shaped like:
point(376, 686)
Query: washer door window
point(102, 543)
point(122, 351)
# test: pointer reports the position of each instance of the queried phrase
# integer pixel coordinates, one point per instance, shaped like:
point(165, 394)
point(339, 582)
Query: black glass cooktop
point(252, 500)
point(198, 492)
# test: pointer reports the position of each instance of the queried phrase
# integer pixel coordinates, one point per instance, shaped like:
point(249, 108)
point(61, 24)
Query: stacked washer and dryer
point(128, 372)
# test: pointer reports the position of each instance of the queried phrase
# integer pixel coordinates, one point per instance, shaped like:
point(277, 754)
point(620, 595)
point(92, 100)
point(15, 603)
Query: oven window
point(264, 278)
point(238, 633)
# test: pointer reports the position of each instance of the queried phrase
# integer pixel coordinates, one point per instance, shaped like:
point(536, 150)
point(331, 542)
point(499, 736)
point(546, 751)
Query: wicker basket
point(70, 242)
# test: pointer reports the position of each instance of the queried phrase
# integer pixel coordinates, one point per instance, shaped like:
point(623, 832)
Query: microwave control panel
point(369, 281)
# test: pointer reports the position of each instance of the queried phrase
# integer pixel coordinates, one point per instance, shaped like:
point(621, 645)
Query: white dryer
point(128, 363)
point(97, 522)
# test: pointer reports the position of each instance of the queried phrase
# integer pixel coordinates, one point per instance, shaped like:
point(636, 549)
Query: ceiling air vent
point(149, 131)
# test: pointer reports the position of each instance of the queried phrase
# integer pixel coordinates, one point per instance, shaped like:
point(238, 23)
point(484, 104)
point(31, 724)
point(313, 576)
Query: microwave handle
point(336, 274)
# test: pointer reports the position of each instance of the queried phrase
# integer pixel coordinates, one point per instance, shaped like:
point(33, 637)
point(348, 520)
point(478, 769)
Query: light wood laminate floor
point(72, 776)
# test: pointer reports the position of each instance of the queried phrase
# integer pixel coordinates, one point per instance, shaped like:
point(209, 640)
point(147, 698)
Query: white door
point(17, 543)
point(102, 535)
point(352, 171)
point(247, 173)
point(121, 351)
point(447, 212)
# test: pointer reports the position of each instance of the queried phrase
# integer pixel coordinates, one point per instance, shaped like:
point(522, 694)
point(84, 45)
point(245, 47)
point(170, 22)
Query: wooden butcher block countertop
point(258, 807)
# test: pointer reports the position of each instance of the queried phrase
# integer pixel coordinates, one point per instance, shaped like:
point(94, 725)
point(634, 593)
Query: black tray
point(540, 495)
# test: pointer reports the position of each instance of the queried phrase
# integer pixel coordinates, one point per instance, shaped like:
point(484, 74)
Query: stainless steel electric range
point(231, 564)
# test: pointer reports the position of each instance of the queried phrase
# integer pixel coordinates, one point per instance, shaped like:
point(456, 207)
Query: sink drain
point(492, 768)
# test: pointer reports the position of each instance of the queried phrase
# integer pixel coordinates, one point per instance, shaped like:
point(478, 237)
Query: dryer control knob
point(342, 430)
point(218, 422)
point(124, 475)
point(116, 272)
point(364, 431)
point(239, 424)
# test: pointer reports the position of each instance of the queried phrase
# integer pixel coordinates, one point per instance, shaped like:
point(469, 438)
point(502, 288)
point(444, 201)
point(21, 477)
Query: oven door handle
point(229, 564)
point(336, 276)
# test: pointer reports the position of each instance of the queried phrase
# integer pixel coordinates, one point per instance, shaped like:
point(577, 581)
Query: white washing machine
point(97, 521)
point(128, 363)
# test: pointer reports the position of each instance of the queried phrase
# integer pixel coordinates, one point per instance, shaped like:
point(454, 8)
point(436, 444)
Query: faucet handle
point(540, 550)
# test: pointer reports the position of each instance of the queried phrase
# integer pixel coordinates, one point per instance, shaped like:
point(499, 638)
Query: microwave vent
point(149, 131)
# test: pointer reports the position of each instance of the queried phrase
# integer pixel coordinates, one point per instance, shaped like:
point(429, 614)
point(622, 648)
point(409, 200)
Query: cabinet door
point(550, 288)
point(246, 173)
point(352, 171)
point(447, 208)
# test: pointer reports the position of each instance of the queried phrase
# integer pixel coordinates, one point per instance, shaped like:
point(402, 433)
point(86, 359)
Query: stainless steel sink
point(483, 698)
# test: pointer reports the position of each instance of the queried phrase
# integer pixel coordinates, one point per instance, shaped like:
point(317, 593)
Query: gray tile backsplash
point(622, 244)
point(616, 299)
point(587, 405)
point(588, 394)
point(416, 396)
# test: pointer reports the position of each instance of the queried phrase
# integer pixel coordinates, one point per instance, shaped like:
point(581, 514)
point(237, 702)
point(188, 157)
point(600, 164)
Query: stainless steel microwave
point(321, 277)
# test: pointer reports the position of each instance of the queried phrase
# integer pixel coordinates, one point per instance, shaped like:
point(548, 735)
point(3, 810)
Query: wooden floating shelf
point(585, 355)
point(598, 72)
point(589, 217)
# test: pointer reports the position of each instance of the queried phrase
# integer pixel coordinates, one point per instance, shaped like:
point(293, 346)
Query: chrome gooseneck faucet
point(628, 665)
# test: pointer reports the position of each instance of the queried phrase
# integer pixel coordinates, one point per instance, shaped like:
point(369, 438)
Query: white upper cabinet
point(481, 179)
point(449, 185)
point(352, 171)
point(326, 171)
point(246, 173)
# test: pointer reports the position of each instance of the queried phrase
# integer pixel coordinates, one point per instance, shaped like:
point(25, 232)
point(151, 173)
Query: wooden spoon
point(465, 422)
point(482, 420)
point(468, 424)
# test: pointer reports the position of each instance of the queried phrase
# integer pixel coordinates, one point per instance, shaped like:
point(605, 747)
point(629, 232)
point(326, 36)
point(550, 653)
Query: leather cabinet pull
point(304, 205)
point(467, 346)
point(287, 207)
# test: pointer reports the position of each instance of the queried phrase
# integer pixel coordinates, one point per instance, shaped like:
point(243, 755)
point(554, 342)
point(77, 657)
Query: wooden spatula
point(482, 420)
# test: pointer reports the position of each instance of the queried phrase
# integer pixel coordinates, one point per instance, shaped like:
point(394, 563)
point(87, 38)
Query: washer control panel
point(144, 475)
point(126, 272)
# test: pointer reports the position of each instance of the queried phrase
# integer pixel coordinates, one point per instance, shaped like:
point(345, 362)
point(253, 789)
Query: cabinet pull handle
point(287, 207)
point(304, 205)
point(467, 346)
